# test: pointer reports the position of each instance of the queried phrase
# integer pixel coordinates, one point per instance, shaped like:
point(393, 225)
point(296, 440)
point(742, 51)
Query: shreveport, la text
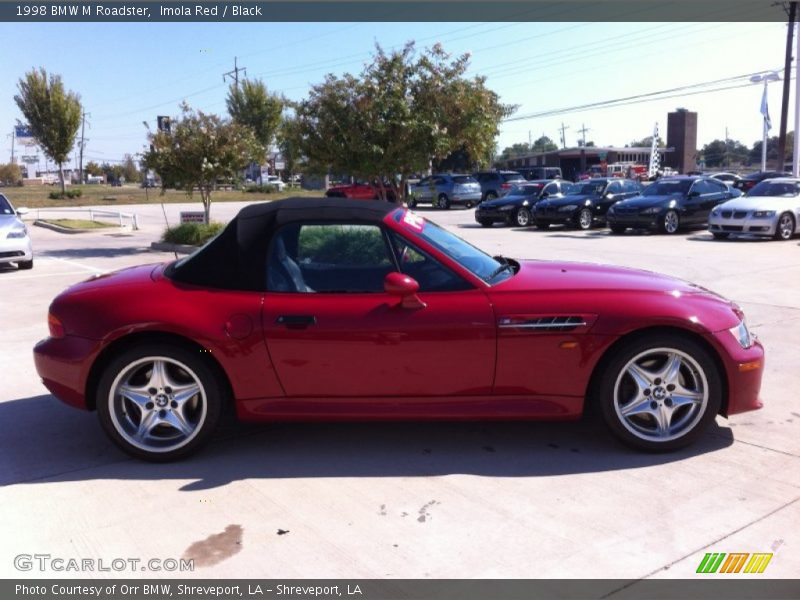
point(166, 589)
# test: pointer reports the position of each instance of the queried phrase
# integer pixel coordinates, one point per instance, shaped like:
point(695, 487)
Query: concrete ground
point(517, 500)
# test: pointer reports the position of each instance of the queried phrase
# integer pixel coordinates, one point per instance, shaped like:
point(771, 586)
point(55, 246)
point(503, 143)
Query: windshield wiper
point(503, 267)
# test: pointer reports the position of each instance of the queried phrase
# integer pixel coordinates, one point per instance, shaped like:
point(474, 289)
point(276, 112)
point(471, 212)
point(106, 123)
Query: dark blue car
point(515, 207)
point(587, 203)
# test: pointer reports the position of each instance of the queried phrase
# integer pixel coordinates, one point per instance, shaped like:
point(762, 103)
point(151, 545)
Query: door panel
point(367, 345)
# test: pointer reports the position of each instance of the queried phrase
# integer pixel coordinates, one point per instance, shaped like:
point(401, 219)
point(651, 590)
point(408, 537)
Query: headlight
point(715, 212)
point(17, 234)
point(651, 211)
point(742, 334)
point(568, 208)
point(761, 214)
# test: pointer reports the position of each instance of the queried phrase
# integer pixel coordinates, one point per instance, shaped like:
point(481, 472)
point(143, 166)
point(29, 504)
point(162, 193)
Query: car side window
point(551, 189)
point(328, 258)
point(615, 187)
point(431, 275)
point(701, 187)
point(716, 187)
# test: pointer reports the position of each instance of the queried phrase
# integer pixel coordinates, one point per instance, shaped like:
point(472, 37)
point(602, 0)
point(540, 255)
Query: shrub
point(192, 234)
point(261, 189)
point(76, 193)
point(54, 195)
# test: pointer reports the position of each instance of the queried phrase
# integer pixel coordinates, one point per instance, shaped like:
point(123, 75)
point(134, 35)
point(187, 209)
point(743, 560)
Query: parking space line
point(79, 265)
point(40, 275)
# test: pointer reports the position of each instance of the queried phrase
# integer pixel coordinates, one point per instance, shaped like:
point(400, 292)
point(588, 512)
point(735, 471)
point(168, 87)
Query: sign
point(164, 123)
point(193, 216)
point(30, 158)
point(280, 165)
point(602, 156)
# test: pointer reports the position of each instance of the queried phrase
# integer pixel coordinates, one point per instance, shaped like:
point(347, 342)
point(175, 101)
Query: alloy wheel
point(585, 219)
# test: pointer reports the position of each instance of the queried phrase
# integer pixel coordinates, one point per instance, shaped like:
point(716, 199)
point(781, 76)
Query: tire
point(490, 196)
point(443, 202)
point(523, 217)
point(670, 223)
point(486, 222)
point(585, 219)
point(638, 392)
point(617, 229)
point(24, 265)
point(411, 202)
point(542, 226)
point(784, 230)
point(718, 235)
point(178, 422)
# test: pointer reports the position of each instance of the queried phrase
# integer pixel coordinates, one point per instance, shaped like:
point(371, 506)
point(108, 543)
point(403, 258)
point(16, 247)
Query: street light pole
point(796, 150)
point(766, 78)
point(764, 135)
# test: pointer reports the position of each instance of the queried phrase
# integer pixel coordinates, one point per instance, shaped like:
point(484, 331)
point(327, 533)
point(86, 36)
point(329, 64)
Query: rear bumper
point(744, 369)
point(468, 198)
point(63, 364)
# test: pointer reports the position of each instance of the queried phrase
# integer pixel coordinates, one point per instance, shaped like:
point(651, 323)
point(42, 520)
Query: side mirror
point(544, 195)
point(610, 196)
point(22, 211)
point(405, 287)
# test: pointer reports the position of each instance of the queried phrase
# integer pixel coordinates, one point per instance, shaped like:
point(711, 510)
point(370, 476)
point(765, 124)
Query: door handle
point(296, 321)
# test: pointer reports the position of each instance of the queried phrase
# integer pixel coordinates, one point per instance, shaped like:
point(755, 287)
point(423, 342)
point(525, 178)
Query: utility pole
point(234, 74)
point(725, 155)
point(83, 141)
point(563, 128)
point(13, 137)
point(787, 76)
point(583, 131)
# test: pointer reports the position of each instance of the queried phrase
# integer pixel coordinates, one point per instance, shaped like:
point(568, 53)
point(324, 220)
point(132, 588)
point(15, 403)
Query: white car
point(771, 208)
point(275, 181)
point(15, 243)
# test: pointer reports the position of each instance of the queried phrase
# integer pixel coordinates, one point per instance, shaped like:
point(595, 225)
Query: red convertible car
point(333, 309)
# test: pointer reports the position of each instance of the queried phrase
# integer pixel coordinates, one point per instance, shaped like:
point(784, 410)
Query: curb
point(60, 229)
point(179, 248)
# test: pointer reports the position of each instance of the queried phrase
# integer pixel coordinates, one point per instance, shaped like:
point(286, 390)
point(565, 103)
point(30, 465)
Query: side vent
point(544, 324)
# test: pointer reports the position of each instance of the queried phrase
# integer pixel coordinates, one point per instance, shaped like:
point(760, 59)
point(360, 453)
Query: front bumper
point(634, 221)
point(556, 216)
point(744, 369)
point(751, 225)
point(14, 250)
point(494, 214)
point(64, 364)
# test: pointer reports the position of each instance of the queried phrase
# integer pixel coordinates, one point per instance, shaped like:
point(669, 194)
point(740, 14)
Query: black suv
point(497, 183)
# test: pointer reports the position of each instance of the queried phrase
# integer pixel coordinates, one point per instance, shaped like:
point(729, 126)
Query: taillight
point(55, 326)
point(505, 186)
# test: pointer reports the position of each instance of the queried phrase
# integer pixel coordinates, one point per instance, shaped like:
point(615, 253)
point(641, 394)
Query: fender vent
point(543, 324)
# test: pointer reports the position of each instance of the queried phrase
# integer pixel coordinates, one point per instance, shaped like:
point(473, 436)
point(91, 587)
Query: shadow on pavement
point(707, 237)
point(96, 252)
point(43, 440)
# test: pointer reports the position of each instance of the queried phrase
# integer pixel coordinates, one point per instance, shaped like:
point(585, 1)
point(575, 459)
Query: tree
point(515, 150)
point(401, 113)
point(754, 154)
point(10, 174)
point(289, 144)
point(544, 144)
point(129, 170)
point(251, 105)
point(92, 168)
point(719, 153)
point(198, 150)
point(53, 115)
point(646, 142)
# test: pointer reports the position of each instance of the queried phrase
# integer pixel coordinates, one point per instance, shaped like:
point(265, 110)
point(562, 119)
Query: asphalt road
point(521, 500)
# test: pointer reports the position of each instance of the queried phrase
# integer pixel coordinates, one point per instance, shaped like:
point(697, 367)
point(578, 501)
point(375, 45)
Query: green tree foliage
point(772, 151)
point(10, 174)
point(129, 170)
point(403, 111)
point(53, 115)
point(289, 143)
point(252, 105)
point(718, 153)
point(199, 150)
point(646, 142)
point(515, 150)
point(92, 168)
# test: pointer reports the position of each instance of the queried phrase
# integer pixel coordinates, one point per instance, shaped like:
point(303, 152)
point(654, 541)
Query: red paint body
point(369, 356)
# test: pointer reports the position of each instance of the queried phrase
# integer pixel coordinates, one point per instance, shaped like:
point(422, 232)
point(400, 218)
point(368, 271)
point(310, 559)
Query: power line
point(234, 74)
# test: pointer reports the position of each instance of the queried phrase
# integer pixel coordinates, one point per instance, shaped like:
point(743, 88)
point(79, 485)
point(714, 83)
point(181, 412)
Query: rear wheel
point(785, 228)
point(490, 196)
point(670, 222)
point(523, 217)
point(411, 202)
point(660, 392)
point(24, 265)
point(159, 402)
point(585, 219)
point(443, 202)
point(719, 235)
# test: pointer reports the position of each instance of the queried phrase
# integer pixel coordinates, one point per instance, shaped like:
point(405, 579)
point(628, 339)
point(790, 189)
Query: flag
point(765, 110)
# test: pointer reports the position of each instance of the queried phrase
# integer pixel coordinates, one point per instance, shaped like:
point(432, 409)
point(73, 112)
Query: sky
point(128, 73)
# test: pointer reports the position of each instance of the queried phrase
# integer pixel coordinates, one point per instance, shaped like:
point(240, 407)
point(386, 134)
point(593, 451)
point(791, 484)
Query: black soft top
point(237, 258)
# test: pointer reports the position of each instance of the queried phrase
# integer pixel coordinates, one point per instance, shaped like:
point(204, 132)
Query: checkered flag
point(655, 159)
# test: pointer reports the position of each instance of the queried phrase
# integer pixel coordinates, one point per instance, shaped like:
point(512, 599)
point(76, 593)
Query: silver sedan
point(771, 208)
point(15, 243)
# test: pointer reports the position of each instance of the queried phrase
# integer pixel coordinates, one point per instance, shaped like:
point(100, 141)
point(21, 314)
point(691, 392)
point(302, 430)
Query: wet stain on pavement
point(216, 547)
point(424, 513)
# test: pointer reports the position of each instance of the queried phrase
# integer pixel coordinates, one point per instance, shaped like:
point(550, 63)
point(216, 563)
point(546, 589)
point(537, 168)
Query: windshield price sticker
point(414, 221)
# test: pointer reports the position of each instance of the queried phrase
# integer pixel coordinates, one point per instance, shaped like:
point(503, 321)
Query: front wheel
point(159, 402)
point(670, 222)
point(785, 229)
point(443, 202)
point(585, 219)
point(411, 202)
point(660, 392)
point(523, 217)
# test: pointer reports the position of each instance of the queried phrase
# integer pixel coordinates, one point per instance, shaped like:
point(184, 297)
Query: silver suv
point(442, 191)
point(497, 183)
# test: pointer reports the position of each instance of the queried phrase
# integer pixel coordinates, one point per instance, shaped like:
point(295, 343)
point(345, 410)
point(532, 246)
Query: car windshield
point(776, 188)
point(512, 177)
point(525, 190)
point(464, 179)
point(668, 187)
point(588, 189)
point(5, 206)
point(471, 258)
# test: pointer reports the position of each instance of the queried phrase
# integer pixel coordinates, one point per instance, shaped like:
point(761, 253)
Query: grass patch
point(78, 223)
point(192, 234)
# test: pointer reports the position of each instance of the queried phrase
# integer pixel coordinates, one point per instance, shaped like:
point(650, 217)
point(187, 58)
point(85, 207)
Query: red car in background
point(333, 309)
point(357, 191)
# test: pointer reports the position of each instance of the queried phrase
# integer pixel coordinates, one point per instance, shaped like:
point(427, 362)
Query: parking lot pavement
point(416, 499)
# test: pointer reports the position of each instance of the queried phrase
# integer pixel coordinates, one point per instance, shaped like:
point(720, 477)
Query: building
point(682, 137)
point(574, 161)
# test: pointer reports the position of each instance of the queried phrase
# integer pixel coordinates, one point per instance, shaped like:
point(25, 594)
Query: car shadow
point(42, 440)
point(707, 237)
point(96, 252)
